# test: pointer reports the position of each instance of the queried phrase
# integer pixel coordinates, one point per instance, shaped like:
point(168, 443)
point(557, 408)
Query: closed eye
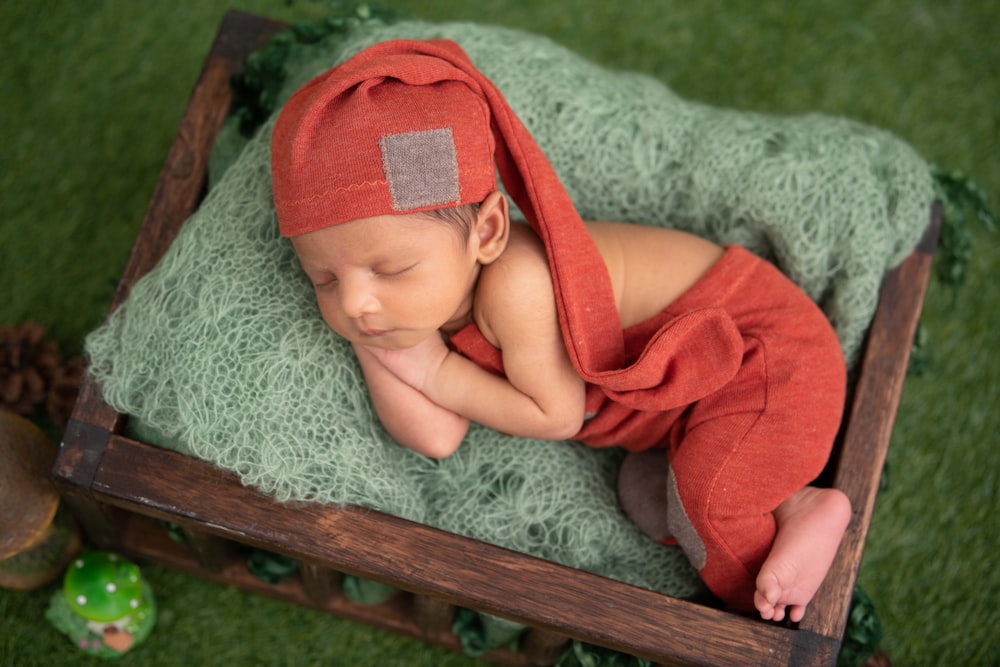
point(324, 281)
point(392, 273)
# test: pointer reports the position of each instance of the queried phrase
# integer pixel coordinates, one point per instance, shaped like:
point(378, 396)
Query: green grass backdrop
point(91, 92)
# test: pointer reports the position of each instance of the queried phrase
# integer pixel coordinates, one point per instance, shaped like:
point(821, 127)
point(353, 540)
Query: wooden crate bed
point(123, 490)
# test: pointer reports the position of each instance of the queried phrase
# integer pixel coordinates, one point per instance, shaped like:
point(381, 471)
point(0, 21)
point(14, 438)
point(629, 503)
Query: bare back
point(650, 266)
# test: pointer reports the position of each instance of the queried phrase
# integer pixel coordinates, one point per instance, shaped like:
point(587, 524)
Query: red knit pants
point(748, 443)
point(736, 455)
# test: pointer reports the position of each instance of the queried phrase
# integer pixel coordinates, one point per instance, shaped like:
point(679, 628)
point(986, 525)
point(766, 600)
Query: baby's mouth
point(375, 333)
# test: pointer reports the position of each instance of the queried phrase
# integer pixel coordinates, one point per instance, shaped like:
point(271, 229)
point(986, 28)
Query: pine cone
point(62, 393)
point(28, 365)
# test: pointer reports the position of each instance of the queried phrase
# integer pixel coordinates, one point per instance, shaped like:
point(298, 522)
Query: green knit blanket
point(220, 352)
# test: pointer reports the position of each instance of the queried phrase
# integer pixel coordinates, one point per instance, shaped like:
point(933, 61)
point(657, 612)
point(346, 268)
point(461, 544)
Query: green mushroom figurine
point(105, 606)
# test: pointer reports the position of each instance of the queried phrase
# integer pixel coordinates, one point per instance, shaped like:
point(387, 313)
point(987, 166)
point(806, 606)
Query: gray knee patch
point(681, 527)
point(642, 492)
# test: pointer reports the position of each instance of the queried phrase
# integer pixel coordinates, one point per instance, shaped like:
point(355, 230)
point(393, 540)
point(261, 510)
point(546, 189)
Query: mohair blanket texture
point(220, 352)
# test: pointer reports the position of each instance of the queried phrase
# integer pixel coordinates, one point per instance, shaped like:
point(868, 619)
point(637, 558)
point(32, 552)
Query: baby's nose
point(358, 300)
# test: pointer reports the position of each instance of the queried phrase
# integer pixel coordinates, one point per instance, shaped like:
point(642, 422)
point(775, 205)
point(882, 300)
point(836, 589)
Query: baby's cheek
point(334, 320)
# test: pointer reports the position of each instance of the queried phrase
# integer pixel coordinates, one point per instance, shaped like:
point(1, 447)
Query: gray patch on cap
point(421, 168)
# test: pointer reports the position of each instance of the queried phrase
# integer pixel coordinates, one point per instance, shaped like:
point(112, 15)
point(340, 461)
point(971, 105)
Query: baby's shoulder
point(522, 264)
point(517, 284)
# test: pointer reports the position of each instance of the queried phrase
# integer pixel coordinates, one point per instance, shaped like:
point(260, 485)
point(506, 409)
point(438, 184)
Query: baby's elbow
point(566, 426)
point(440, 444)
point(438, 449)
point(568, 432)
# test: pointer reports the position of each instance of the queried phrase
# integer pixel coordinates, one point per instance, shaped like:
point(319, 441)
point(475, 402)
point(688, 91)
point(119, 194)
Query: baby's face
point(390, 281)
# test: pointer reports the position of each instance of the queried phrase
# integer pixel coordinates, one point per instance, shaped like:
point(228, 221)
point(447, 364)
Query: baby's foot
point(810, 525)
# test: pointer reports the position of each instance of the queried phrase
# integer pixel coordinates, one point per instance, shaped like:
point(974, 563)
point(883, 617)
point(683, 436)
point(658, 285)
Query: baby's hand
point(417, 365)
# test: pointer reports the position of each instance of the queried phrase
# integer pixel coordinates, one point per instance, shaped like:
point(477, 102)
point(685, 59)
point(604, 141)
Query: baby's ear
point(492, 227)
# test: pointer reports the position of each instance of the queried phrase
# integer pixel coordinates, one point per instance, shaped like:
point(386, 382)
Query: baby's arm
point(411, 418)
point(542, 395)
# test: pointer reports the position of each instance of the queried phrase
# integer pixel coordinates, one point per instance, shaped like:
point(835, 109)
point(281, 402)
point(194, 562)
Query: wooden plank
point(73, 470)
point(145, 541)
point(870, 423)
point(320, 584)
point(432, 615)
point(544, 648)
point(428, 561)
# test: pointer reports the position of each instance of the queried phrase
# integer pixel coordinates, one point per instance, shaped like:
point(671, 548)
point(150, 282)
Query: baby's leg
point(810, 525)
point(642, 492)
point(778, 557)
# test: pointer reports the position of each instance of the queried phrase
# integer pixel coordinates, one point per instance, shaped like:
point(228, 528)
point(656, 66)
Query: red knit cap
point(407, 126)
point(355, 143)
